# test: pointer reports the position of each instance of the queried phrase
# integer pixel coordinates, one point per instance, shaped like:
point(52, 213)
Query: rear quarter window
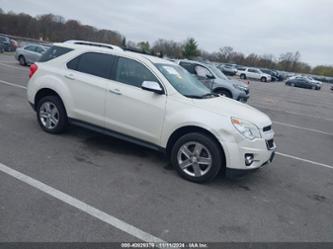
point(54, 52)
point(97, 64)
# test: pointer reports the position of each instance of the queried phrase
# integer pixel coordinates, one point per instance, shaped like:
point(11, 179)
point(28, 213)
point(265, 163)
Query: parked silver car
point(29, 54)
point(216, 81)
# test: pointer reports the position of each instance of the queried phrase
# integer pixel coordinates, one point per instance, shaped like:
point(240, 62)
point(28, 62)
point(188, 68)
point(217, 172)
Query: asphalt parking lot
point(135, 189)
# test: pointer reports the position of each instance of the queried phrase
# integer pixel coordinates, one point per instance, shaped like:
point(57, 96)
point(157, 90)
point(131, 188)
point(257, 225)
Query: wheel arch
point(224, 89)
point(43, 92)
point(188, 129)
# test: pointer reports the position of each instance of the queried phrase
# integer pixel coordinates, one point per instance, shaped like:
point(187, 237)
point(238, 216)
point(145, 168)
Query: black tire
point(217, 159)
point(22, 60)
point(243, 76)
point(263, 79)
point(223, 92)
point(61, 114)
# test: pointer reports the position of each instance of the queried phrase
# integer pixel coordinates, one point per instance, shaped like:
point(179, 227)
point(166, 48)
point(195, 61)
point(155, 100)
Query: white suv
point(253, 73)
point(151, 102)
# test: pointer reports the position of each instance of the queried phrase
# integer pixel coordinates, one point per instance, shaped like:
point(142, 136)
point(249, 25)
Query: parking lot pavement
point(289, 200)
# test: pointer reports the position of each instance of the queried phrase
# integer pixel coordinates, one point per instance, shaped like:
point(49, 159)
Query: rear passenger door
point(131, 110)
point(31, 55)
point(87, 78)
point(252, 73)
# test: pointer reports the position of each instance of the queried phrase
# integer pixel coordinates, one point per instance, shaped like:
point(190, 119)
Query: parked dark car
point(5, 41)
point(303, 82)
point(274, 74)
point(2, 48)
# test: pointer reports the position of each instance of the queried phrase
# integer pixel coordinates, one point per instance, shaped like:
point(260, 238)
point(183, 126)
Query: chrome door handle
point(115, 91)
point(70, 76)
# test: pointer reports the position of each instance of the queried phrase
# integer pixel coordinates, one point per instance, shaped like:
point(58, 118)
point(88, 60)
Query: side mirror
point(152, 86)
point(209, 76)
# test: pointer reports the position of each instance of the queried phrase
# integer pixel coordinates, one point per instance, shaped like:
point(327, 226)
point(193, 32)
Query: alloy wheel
point(194, 159)
point(49, 115)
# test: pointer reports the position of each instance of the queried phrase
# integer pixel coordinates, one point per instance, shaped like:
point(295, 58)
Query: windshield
point(183, 81)
point(217, 72)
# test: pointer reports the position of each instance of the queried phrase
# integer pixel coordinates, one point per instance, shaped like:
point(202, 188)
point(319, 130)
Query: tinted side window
point(202, 71)
point(252, 71)
point(39, 50)
point(188, 66)
point(54, 52)
point(74, 63)
point(97, 64)
point(30, 48)
point(132, 72)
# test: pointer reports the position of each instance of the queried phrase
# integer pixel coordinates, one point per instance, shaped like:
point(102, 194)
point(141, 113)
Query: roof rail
point(140, 51)
point(94, 44)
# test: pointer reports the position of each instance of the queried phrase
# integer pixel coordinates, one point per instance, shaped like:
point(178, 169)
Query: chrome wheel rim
point(194, 159)
point(49, 115)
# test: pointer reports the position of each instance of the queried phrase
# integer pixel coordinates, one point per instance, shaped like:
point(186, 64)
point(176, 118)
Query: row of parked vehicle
point(213, 76)
point(262, 74)
point(7, 44)
point(266, 75)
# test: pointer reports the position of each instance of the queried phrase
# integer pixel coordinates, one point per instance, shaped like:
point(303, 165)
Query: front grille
point(267, 128)
point(270, 144)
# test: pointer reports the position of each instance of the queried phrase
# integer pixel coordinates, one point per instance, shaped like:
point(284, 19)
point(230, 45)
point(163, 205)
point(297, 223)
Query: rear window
point(54, 52)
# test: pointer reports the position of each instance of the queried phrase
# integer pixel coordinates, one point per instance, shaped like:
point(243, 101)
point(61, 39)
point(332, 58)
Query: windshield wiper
point(209, 95)
point(201, 96)
point(194, 96)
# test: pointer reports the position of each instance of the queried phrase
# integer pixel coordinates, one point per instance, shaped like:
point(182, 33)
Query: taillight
point(33, 69)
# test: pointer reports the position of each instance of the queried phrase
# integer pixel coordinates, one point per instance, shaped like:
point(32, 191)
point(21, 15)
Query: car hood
point(231, 108)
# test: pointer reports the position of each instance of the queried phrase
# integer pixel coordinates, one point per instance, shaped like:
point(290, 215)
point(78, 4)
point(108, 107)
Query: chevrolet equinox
point(151, 102)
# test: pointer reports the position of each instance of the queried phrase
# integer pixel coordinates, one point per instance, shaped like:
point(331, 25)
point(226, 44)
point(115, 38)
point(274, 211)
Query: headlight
point(239, 87)
point(247, 129)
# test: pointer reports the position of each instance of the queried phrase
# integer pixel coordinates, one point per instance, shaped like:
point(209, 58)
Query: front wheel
point(223, 93)
point(51, 114)
point(243, 76)
point(197, 157)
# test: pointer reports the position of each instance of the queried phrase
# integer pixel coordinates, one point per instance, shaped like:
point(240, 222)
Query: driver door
point(130, 110)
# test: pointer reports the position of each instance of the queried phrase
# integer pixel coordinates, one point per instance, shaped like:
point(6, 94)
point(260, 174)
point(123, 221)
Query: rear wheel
point(263, 79)
point(292, 84)
point(22, 60)
point(51, 114)
point(196, 157)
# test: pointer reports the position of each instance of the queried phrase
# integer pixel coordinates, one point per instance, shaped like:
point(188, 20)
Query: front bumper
point(243, 96)
point(262, 150)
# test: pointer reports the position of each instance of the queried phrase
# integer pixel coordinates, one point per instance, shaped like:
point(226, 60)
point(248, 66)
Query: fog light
point(248, 159)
